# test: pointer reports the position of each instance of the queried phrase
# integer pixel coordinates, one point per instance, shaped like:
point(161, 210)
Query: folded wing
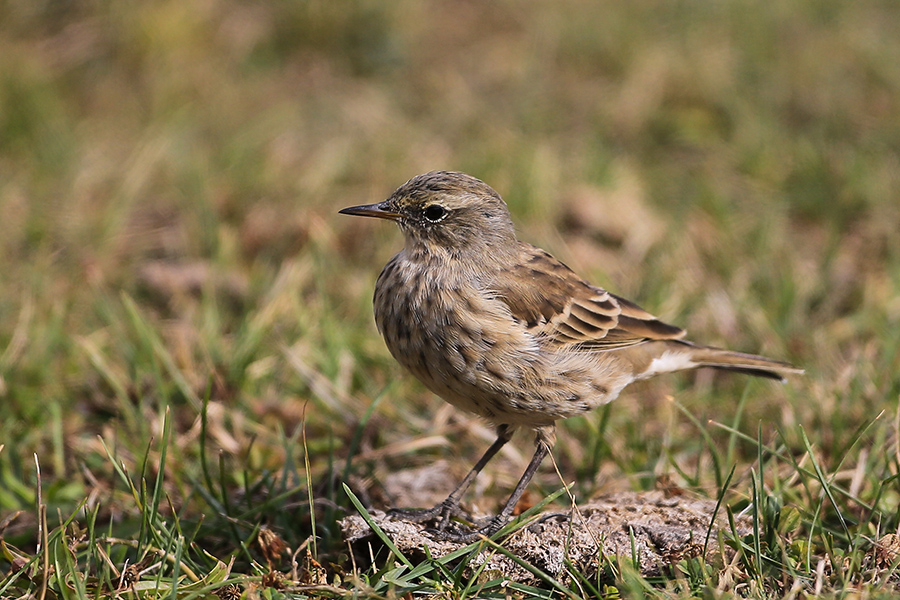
point(556, 304)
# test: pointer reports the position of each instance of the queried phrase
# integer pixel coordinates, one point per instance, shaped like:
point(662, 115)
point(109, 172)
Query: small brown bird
point(502, 329)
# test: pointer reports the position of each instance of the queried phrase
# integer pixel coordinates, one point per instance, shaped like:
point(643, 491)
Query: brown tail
point(751, 364)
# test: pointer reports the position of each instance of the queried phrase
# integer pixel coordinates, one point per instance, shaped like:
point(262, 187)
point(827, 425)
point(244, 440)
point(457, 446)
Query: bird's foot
point(445, 529)
point(442, 513)
point(467, 535)
point(487, 528)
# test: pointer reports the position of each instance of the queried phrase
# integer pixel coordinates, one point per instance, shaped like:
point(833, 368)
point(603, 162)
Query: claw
point(415, 515)
point(549, 516)
point(467, 536)
point(442, 514)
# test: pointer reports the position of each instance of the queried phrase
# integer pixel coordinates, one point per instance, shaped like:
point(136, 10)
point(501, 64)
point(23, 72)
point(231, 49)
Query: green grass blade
point(374, 526)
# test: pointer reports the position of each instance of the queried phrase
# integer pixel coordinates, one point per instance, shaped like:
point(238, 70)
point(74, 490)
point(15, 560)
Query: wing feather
point(554, 303)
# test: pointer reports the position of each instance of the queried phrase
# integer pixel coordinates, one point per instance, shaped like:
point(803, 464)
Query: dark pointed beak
point(381, 210)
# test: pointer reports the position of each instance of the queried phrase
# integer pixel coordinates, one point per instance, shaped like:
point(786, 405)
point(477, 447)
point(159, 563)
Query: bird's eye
point(435, 212)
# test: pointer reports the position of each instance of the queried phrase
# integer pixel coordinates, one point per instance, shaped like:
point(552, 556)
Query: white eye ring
point(435, 213)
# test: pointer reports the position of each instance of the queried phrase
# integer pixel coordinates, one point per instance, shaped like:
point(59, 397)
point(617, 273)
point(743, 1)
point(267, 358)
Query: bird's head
point(447, 213)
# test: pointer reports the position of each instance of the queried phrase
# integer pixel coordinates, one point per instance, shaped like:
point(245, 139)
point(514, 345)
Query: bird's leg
point(450, 506)
point(546, 436)
point(496, 523)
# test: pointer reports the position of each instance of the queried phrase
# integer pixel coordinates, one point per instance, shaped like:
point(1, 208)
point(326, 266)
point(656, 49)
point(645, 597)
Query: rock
point(657, 531)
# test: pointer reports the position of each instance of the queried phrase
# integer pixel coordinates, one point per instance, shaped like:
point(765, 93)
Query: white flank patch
point(670, 361)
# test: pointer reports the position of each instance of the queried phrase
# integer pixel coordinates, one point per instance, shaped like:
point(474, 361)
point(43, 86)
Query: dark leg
point(450, 506)
point(540, 453)
point(496, 523)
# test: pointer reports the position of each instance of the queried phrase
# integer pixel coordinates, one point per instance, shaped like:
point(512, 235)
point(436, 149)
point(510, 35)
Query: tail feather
point(750, 364)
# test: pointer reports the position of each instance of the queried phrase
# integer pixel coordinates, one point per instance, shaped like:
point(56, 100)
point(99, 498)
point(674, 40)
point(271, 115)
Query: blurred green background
point(170, 173)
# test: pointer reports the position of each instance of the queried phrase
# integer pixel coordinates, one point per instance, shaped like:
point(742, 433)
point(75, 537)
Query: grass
point(188, 362)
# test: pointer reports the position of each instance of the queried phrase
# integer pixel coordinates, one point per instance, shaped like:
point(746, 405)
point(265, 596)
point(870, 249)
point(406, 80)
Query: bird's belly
point(483, 362)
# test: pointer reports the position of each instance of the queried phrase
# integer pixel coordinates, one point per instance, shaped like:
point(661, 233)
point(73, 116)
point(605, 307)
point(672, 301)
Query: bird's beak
point(381, 210)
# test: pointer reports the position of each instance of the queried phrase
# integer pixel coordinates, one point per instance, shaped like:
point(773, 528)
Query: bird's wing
point(552, 302)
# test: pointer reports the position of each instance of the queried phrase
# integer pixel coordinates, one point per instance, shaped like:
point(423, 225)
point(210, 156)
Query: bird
point(500, 328)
